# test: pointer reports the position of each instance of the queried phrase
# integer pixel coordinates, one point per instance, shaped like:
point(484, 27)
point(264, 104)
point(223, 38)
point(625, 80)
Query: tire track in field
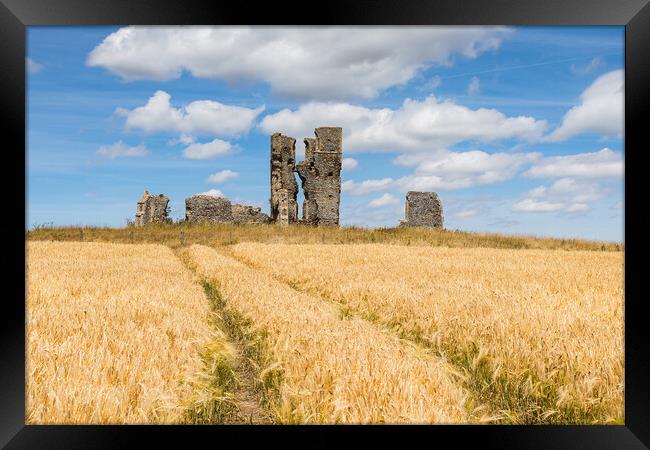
point(246, 397)
point(482, 411)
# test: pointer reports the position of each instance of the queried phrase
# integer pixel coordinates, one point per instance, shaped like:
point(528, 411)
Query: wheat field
point(318, 333)
point(115, 334)
point(539, 333)
point(329, 368)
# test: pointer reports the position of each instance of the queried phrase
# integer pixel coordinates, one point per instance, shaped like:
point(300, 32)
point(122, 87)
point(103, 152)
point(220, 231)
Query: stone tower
point(320, 174)
point(284, 189)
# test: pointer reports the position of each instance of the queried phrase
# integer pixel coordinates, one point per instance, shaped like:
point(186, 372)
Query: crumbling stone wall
point(208, 208)
point(284, 188)
point(320, 174)
point(151, 208)
point(423, 209)
point(248, 214)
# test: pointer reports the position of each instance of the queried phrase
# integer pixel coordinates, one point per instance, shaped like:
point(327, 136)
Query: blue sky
point(519, 130)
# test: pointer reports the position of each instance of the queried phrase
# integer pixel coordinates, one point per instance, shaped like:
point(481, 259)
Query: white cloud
point(447, 170)
point(384, 200)
point(464, 169)
point(578, 207)
point(366, 187)
point(466, 207)
point(566, 194)
point(466, 213)
point(33, 66)
point(350, 163)
point(212, 193)
point(224, 175)
point(474, 86)
point(212, 149)
point(119, 149)
point(531, 205)
point(415, 126)
point(600, 109)
point(306, 62)
point(594, 64)
point(431, 84)
point(184, 139)
point(199, 117)
point(604, 163)
point(475, 166)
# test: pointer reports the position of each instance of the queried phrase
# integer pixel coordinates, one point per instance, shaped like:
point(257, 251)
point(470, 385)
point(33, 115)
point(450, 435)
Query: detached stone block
point(151, 208)
point(423, 209)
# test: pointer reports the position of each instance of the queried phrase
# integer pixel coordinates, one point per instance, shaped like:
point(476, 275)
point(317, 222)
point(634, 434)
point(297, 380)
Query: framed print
point(364, 218)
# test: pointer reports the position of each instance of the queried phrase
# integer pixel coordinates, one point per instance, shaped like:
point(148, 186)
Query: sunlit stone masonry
point(320, 174)
point(423, 209)
point(151, 208)
point(248, 214)
point(208, 208)
point(284, 188)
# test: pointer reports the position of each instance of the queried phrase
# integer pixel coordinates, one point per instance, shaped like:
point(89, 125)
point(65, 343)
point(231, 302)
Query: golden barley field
point(279, 332)
point(538, 333)
point(331, 368)
point(115, 334)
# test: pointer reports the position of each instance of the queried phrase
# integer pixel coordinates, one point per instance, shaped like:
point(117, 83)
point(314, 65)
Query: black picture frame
point(16, 15)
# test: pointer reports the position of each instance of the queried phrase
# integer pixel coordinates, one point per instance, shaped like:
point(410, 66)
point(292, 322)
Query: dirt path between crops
point(245, 396)
point(247, 400)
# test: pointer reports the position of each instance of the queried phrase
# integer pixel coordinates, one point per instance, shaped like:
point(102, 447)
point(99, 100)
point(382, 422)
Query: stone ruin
point(423, 209)
point(248, 214)
point(284, 189)
point(210, 208)
point(320, 176)
point(151, 208)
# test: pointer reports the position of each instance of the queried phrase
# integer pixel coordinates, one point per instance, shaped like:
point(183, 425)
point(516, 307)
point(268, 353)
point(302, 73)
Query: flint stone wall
point(151, 208)
point(208, 208)
point(423, 209)
point(248, 214)
point(320, 175)
point(284, 188)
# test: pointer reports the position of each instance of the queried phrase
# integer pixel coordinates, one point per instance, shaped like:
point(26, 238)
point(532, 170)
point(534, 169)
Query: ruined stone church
point(320, 178)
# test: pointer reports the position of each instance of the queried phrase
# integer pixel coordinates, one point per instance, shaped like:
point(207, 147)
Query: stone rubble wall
point(423, 209)
point(248, 214)
point(320, 175)
point(151, 209)
point(284, 188)
point(208, 208)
